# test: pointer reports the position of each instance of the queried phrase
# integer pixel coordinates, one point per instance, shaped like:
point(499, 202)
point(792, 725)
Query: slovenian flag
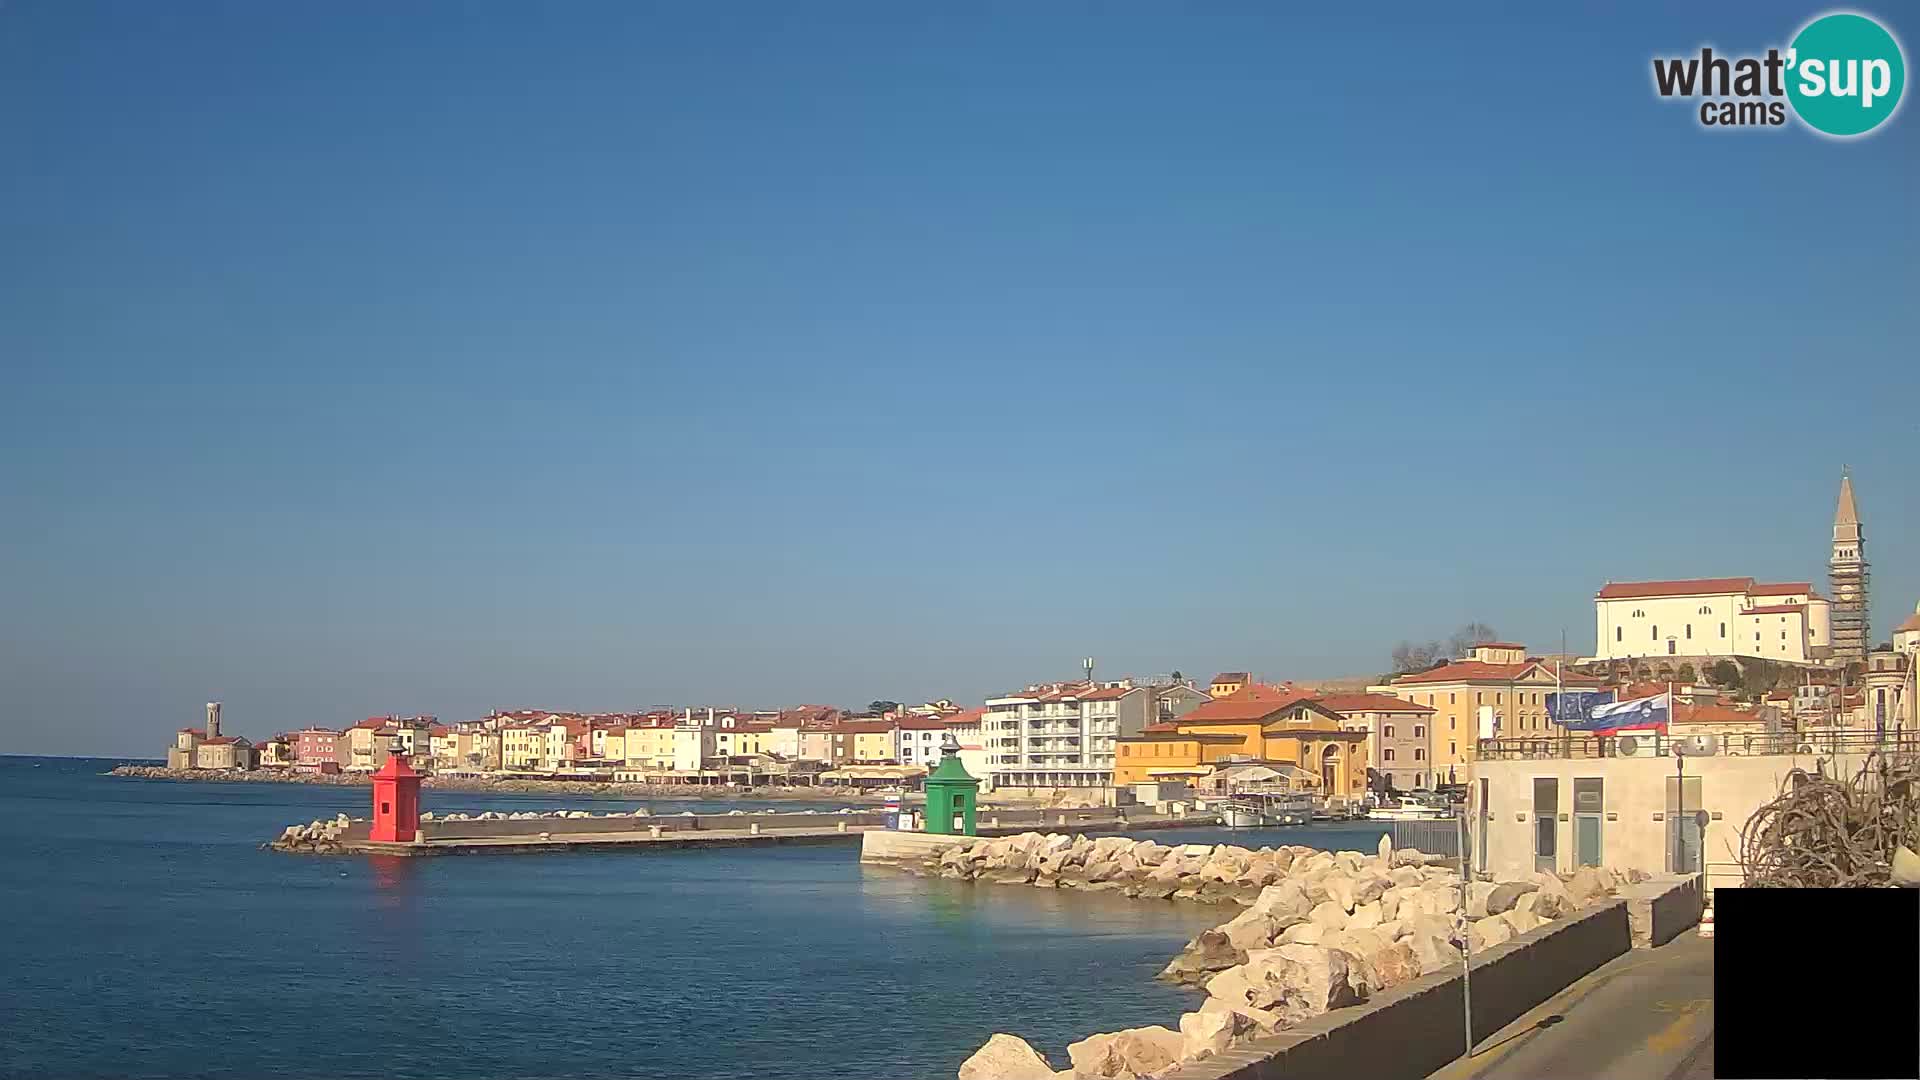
point(1646, 712)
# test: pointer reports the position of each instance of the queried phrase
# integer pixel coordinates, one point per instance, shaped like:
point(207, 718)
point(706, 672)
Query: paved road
point(1647, 1015)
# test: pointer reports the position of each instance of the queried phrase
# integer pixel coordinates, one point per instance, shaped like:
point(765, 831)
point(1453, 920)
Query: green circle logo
point(1845, 74)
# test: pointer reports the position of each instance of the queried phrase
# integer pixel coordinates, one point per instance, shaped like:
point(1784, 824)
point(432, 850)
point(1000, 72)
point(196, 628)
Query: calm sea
point(144, 934)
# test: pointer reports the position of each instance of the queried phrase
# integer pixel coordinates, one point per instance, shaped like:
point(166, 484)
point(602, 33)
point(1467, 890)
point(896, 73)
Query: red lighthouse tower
point(396, 801)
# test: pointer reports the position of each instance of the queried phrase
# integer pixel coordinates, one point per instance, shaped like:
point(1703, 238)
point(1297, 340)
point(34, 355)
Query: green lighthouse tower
point(951, 793)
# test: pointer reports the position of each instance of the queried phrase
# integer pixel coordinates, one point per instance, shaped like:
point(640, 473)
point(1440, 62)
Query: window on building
point(1453, 749)
point(1419, 731)
point(1419, 754)
point(1478, 697)
point(1689, 631)
point(1387, 754)
point(1387, 731)
point(1723, 629)
point(1499, 699)
point(1656, 631)
point(1449, 699)
point(1619, 633)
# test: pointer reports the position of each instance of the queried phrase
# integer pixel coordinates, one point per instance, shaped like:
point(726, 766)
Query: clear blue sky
point(365, 357)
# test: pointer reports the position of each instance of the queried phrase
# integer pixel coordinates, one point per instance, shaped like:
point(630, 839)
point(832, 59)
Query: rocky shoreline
point(512, 786)
point(1320, 930)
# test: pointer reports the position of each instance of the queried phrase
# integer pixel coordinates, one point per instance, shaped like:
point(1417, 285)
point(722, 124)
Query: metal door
point(1588, 809)
point(1684, 804)
point(1546, 825)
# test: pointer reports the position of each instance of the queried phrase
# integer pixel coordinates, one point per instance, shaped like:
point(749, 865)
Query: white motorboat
point(1410, 810)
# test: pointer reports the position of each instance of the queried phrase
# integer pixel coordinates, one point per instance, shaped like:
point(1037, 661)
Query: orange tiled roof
point(1481, 671)
point(1628, 590)
point(1256, 702)
point(1346, 703)
point(1785, 588)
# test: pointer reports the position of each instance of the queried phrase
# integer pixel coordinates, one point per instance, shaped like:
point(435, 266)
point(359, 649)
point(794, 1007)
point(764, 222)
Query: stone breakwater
point(497, 784)
point(1319, 931)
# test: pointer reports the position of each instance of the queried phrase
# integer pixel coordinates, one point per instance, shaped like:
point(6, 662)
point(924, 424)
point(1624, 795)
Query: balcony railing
point(1821, 743)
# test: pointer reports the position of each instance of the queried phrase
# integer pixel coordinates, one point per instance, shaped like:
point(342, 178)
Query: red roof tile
point(1349, 703)
point(1256, 702)
point(1789, 588)
point(1481, 671)
point(1911, 625)
point(1232, 677)
point(964, 717)
point(1627, 590)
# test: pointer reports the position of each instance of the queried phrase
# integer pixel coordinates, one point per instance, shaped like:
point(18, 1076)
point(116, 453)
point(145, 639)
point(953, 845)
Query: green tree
point(1686, 674)
point(1724, 673)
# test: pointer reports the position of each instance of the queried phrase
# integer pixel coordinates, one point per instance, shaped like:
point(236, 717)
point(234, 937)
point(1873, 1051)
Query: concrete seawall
point(1410, 1031)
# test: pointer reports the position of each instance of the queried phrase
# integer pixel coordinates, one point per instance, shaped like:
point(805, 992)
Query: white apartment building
point(1712, 617)
point(1062, 735)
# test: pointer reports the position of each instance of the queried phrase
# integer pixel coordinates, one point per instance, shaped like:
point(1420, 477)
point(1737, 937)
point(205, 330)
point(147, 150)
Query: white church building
point(1713, 617)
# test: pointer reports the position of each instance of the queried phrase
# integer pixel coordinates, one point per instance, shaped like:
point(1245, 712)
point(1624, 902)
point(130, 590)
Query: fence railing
point(1433, 837)
point(1658, 745)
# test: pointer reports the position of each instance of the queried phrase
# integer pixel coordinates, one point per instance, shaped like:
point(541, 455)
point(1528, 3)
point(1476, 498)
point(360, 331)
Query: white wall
point(1635, 789)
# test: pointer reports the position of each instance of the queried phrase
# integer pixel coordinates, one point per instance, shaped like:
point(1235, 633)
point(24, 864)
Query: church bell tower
point(1847, 576)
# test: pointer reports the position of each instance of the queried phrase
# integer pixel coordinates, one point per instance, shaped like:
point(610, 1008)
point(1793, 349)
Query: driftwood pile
point(1826, 832)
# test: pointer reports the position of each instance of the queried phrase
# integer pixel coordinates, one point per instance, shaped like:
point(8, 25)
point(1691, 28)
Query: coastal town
point(1759, 667)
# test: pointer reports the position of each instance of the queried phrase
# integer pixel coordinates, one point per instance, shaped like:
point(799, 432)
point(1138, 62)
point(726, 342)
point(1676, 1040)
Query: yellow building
point(1256, 725)
point(650, 747)
point(1496, 683)
point(743, 740)
point(522, 746)
point(1228, 683)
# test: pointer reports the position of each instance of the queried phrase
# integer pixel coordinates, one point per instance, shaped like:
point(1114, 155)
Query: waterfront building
point(568, 740)
point(1847, 576)
point(1258, 725)
point(318, 747)
point(742, 738)
point(694, 746)
point(863, 741)
point(1399, 747)
point(917, 739)
point(1708, 618)
point(1228, 682)
point(1496, 690)
point(649, 745)
point(1064, 735)
point(275, 753)
point(223, 752)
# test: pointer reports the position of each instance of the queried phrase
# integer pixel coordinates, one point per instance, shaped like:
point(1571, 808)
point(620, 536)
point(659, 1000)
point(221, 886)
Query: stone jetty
point(1316, 931)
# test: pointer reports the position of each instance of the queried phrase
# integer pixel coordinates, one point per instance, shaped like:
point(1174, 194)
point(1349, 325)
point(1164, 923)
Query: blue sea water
point(144, 933)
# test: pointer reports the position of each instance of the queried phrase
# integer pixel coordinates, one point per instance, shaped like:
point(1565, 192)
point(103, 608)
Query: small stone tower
point(1847, 577)
point(213, 719)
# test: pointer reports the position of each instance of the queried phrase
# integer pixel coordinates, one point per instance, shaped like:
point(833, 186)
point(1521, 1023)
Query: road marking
point(1675, 1036)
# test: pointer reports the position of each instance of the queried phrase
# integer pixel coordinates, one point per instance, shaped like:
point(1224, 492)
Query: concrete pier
point(508, 836)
